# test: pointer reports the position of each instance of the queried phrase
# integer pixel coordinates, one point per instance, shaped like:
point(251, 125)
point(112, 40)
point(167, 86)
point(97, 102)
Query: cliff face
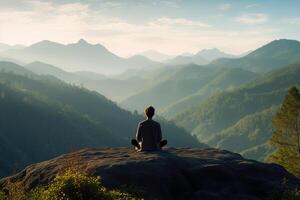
point(170, 174)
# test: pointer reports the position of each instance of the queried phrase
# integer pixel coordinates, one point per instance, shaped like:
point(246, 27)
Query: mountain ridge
point(78, 56)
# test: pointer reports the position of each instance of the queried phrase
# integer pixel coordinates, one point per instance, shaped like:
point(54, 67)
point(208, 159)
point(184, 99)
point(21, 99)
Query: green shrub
point(74, 185)
point(3, 196)
point(71, 185)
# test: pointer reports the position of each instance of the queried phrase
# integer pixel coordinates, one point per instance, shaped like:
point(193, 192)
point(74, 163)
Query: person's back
point(148, 135)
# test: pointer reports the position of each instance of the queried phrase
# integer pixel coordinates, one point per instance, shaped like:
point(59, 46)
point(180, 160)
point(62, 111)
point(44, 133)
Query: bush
point(3, 196)
point(71, 185)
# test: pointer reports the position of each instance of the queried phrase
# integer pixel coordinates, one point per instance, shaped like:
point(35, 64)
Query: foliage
point(3, 196)
point(286, 137)
point(13, 191)
point(70, 185)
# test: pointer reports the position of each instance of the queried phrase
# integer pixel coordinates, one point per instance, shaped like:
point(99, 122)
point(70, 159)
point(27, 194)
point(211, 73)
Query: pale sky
point(127, 27)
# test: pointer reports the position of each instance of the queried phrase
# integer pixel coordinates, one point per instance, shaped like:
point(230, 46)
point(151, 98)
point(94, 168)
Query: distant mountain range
point(83, 56)
point(203, 57)
point(80, 56)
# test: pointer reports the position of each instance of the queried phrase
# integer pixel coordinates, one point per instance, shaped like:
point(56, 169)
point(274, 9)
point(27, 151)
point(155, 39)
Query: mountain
point(156, 56)
point(203, 57)
point(140, 60)
point(178, 83)
point(59, 118)
point(213, 54)
point(80, 56)
point(271, 56)
point(225, 79)
point(231, 119)
point(169, 85)
point(46, 69)
point(113, 88)
point(250, 131)
point(173, 174)
point(9, 67)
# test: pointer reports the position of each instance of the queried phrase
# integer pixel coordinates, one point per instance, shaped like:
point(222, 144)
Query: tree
point(286, 137)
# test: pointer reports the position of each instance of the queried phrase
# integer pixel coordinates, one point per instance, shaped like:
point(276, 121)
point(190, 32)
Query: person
point(148, 135)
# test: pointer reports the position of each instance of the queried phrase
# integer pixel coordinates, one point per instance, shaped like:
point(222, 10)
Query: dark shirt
point(149, 135)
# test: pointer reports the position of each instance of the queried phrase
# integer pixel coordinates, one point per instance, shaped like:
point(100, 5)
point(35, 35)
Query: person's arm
point(159, 135)
point(139, 133)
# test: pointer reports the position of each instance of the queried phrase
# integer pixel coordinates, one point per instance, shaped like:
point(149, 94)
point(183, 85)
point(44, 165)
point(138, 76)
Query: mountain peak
point(45, 43)
point(82, 41)
point(278, 48)
point(212, 50)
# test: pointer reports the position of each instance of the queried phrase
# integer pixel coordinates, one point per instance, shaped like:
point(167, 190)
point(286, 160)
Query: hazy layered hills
point(269, 57)
point(188, 84)
point(42, 117)
point(80, 56)
point(240, 120)
point(115, 89)
point(176, 88)
point(203, 57)
point(225, 79)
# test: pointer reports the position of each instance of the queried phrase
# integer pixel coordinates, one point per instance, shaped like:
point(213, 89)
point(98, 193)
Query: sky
point(128, 27)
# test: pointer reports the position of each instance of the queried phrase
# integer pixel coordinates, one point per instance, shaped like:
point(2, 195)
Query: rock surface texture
point(170, 174)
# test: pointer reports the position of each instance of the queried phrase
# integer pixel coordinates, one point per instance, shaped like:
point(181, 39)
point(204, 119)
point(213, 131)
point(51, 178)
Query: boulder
point(175, 173)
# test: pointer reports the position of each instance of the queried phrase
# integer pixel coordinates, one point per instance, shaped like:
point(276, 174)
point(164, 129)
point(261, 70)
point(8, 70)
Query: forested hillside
point(225, 79)
point(42, 117)
point(230, 118)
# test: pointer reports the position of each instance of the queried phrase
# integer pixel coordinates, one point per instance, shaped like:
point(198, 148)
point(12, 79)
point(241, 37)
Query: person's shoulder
point(156, 123)
point(142, 122)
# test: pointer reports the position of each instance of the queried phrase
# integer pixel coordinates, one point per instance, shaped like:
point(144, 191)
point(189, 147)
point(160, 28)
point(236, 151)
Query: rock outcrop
point(170, 174)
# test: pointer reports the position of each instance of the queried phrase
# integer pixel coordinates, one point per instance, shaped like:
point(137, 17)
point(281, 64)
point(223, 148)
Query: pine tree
point(286, 137)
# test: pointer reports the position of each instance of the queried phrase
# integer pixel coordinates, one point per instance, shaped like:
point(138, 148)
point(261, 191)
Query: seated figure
point(148, 135)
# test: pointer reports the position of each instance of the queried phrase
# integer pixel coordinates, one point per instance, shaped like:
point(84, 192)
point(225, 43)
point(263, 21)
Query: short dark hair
point(150, 111)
